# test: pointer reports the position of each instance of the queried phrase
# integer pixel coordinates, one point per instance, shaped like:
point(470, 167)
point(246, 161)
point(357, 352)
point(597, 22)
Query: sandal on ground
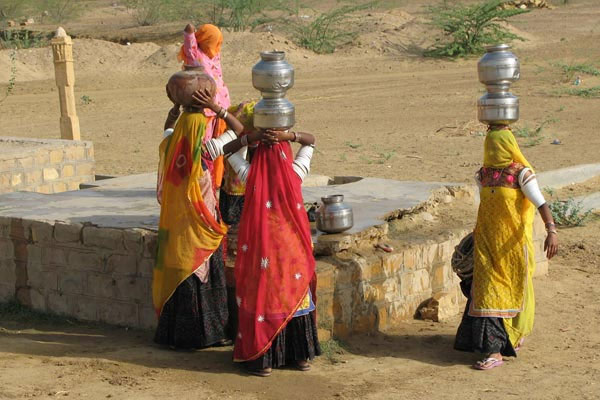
point(520, 345)
point(260, 372)
point(224, 343)
point(303, 365)
point(488, 363)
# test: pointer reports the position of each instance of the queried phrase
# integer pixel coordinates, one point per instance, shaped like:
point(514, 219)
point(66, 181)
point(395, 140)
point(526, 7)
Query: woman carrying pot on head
point(275, 267)
point(500, 309)
point(189, 290)
point(202, 48)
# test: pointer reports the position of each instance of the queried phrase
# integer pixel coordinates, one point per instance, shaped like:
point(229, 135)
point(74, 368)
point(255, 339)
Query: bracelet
point(550, 224)
point(553, 231)
point(225, 114)
point(221, 112)
point(295, 136)
point(299, 136)
point(244, 140)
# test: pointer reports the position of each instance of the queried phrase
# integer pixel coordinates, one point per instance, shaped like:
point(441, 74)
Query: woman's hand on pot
point(203, 98)
point(189, 28)
point(551, 245)
point(272, 136)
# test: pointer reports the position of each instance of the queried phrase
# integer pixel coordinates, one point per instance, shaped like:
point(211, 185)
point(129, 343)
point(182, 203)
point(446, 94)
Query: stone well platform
point(90, 253)
point(44, 165)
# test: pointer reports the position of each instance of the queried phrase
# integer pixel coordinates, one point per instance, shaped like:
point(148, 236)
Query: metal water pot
point(498, 66)
point(274, 113)
point(334, 216)
point(273, 75)
point(498, 106)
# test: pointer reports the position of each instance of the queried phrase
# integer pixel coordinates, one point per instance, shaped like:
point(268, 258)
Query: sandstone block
point(72, 282)
point(50, 174)
point(7, 165)
point(56, 156)
point(59, 187)
point(150, 241)
point(106, 238)
point(84, 260)
point(393, 264)
point(16, 179)
point(26, 162)
point(67, 171)
point(42, 157)
point(324, 334)
point(6, 248)
point(34, 177)
point(54, 257)
point(67, 232)
point(102, 285)
point(7, 291)
point(421, 282)
point(147, 317)
point(37, 299)
point(40, 279)
point(118, 313)
point(132, 239)
point(56, 302)
point(44, 189)
point(73, 185)
point(85, 169)
point(5, 228)
point(74, 153)
point(41, 232)
point(441, 307)
point(121, 265)
point(145, 268)
point(441, 276)
point(83, 307)
point(8, 272)
point(89, 153)
point(412, 258)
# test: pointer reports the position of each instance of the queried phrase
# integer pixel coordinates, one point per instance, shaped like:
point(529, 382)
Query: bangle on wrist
point(295, 136)
point(221, 112)
point(553, 231)
point(244, 140)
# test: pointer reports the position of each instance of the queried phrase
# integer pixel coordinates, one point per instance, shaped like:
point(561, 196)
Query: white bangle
point(244, 141)
point(225, 114)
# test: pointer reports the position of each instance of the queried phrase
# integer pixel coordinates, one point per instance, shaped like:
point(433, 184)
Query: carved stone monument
point(62, 50)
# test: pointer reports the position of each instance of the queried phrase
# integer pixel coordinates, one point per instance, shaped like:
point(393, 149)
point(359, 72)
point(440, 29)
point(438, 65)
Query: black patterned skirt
point(298, 341)
point(196, 315)
point(485, 335)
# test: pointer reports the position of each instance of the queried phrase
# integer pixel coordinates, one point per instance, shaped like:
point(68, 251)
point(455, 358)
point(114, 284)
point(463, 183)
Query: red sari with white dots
point(275, 265)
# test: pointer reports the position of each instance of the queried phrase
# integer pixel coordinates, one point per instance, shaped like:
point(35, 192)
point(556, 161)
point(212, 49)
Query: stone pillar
point(62, 50)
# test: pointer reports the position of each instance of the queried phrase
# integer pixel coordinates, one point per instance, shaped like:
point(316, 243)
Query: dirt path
point(415, 361)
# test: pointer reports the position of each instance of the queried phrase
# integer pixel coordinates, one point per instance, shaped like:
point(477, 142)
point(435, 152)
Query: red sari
point(275, 264)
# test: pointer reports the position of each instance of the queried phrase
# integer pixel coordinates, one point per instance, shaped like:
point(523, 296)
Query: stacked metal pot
point(273, 76)
point(497, 70)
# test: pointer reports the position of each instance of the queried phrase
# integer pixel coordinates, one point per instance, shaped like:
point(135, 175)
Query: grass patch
point(569, 212)
point(590, 93)
point(467, 29)
point(22, 39)
point(332, 350)
point(533, 135)
point(328, 30)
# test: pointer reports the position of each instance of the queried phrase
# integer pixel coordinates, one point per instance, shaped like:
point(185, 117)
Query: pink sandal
point(488, 363)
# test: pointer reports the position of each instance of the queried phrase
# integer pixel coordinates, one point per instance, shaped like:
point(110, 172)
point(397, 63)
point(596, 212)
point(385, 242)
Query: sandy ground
point(378, 109)
point(415, 361)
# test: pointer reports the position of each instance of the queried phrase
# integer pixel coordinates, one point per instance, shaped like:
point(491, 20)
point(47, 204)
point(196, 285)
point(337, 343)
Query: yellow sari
point(504, 260)
point(188, 233)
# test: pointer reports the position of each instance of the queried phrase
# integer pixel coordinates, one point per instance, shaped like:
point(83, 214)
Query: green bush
point(592, 92)
point(237, 15)
point(21, 39)
point(567, 212)
point(328, 30)
point(467, 29)
point(10, 85)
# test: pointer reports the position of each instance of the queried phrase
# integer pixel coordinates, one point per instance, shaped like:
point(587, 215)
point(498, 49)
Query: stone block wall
point(103, 274)
point(44, 166)
point(90, 273)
